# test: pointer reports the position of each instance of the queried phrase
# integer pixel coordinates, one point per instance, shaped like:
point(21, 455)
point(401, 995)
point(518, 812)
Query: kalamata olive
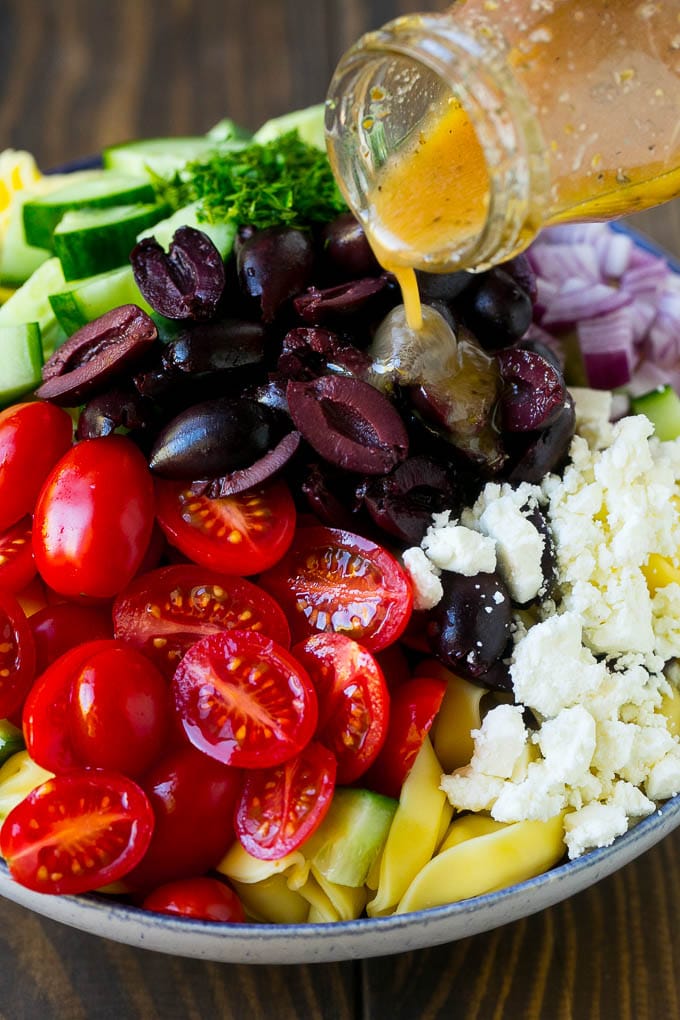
point(521, 270)
point(346, 248)
point(310, 351)
point(265, 467)
point(533, 391)
point(342, 301)
point(96, 354)
point(329, 496)
point(219, 346)
point(536, 454)
point(274, 265)
point(121, 407)
point(549, 556)
point(546, 352)
point(443, 286)
point(470, 628)
point(185, 283)
point(402, 503)
point(211, 439)
point(497, 678)
point(348, 423)
point(497, 310)
point(271, 394)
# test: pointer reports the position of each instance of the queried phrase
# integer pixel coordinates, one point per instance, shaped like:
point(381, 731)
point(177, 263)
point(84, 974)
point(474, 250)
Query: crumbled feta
point(519, 547)
point(427, 588)
point(500, 741)
point(593, 409)
point(450, 546)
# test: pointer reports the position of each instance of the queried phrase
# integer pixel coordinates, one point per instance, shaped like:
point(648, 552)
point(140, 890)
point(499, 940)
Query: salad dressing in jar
point(456, 137)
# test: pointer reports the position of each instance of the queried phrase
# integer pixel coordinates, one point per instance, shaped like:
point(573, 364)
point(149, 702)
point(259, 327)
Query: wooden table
point(75, 75)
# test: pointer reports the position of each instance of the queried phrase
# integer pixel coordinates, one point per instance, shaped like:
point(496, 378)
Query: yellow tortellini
point(18, 776)
point(460, 713)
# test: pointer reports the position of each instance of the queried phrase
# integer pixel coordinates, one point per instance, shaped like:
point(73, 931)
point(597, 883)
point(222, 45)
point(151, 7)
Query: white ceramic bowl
point(345, 940)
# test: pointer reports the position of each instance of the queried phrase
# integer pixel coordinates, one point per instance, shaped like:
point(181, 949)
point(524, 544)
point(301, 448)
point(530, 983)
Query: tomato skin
point(335, 581)
point(17, 655)
point(164, 612)
point(242, 534)
point(413, 709)
point(207, 899)
point(281, 807)
point(244, 700)
point(52, 845)
point(193, 799)
point(119, 715)
point(93, 518)
point(353, 701)
point(47, 708)
point(58, 628)
point(33, 436)
point(17, 567)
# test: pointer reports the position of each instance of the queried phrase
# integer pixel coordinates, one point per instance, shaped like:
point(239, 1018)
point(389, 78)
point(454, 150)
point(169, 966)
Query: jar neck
point(393, 81)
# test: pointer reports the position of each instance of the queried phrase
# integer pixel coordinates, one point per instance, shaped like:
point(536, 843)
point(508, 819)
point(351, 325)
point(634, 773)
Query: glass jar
point(455, 137)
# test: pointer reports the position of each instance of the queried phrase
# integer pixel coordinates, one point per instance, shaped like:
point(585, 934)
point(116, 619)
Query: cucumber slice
point(662, 407)
point(222, 235)
point(309, 123)
point(30, 303)
point(98, 191)
point(21, 358)
point(351, 836)
point(91, 241)
point(227, 130)
point(160, 156)
point(81, 301)
point(11, 740)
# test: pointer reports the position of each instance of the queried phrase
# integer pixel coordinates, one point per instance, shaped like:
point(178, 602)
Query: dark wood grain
point(74, 76)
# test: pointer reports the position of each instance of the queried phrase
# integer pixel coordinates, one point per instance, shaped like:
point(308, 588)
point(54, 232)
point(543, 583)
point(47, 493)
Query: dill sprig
point(282, 182)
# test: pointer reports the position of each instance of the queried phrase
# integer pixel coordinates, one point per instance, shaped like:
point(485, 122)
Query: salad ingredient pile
point(305, 614)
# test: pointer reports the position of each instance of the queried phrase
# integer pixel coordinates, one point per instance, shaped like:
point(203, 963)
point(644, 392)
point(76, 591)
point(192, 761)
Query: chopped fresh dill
point(283, 182)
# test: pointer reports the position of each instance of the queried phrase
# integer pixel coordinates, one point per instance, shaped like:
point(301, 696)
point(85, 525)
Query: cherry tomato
point(166, 611)
point(412, 711)
point(241, 534)
point(17, 567)
point(47, 709)
point(119, 713)
point(281, 807)
point(244, 700)
point(93, 518)
point(394, 665)
point(334, 581)
point(193, 799)
point(32, 439)
point(205, 898)
point(58, 628)
point(77, 832)
point(353, 700)
point(17, 655)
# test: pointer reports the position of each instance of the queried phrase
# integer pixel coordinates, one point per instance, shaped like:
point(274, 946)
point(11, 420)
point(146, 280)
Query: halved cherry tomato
point(413, 709)
point(17, 655)
point(353, 700)
point(205, 898)
point(193, 799)
point(244, 700)
point(119, 714)
point(33, 437)
point(333, 581)
point(281, 807)
point(58, 628)
point(77, 832)
point(17, 567)
point(47, 709)
point(241, 534)
point(394, 665)
point(93, 518)
point(166, 611)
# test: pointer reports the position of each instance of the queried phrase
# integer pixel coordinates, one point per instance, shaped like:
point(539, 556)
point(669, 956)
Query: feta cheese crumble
point(588, 663)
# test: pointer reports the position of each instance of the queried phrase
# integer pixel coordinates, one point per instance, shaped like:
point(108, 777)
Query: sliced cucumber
point(351, 836)
point(662, 407)
point(309, 123)
point(30, 303)
point(11, 740)
point(99, 190)
point(21, 358)
point(227, 130)
point(161, 156)
point(81, 301)
point(91, 241)
point(222, 235)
